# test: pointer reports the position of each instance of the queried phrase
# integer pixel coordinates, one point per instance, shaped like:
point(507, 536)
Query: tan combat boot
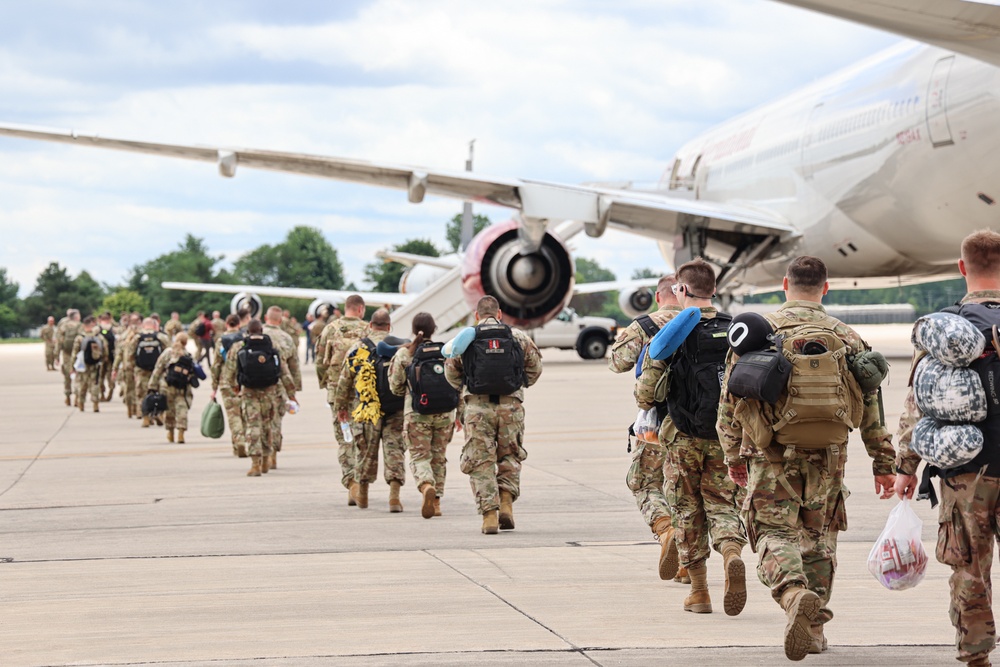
point(698, 600)
point(274, 461)
point(395, 504)
point(97, 408)
point(669, 558)
point(67, 400)
point(491, 522)
point(170, 434)
point(254, 467)
point(145, 421)
point(241, 451)
point(159, 420)
point(180, 436)
point(819, 640)
point(506, 510)
point(437, 506)
point(427, 508)
point(361, 497)
point(265, 463)
point(352, 494)
point(79, 404)
point(802, 609)
point(980, 660)
point(682, 576)
point(735, 597)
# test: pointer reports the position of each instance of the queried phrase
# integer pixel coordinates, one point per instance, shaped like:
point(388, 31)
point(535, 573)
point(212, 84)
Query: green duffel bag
point(213, 423)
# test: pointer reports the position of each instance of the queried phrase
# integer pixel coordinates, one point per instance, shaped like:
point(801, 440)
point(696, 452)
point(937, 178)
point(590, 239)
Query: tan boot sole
point(670, 559)
point(395, 507)
point(491, 530)
point(427, 508)
point(803, 613)
point(506, 521)
point(735, 597)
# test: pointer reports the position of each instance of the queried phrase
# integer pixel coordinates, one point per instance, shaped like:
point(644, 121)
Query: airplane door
point(937, 97)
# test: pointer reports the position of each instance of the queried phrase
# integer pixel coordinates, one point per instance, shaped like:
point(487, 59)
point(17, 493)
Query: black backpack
point(494, 361)
point(696, 372)
point(109, 336)
point(181, 373)
point(199, 329)
point(92, 347)
point(388, 401)
point(430, 392)
point(227, 342)
point(259, 365)
point(147, 350)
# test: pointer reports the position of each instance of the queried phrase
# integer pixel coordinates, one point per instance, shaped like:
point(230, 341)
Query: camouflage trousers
point(493, 451)
point(793, 511)
point(346, 451)
point(128, 385)
point(50, 355)
point(67, 369)
point(178, 401)
point(645, 480)
point(141, 383)
point(257, 408)
point(367, 436)
point(703, 500)
point(427, 438)
point(280, 399)
point(234, 415)
point(321, 374)
point(967, 527)
point(89, 382)
point(106, 385)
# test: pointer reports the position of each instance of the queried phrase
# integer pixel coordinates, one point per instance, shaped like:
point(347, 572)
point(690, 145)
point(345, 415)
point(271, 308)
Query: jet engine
point(635, 302)
point(531, 288)
point(247, 300)
point(417, 278)
point(324, 305)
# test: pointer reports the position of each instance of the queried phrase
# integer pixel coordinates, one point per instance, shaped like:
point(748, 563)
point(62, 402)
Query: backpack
point(181, 373)
point(147, 350)
point(109, 336)
point(199, 329)
point(92, 348)
point(227, 342)
point(695, 383)
point(258, 363)
point(389, 403)
point(430, 391)
point(494, 361)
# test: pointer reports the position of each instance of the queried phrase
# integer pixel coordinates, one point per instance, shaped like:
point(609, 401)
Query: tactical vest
point(180, 373)
point(695, 381)
point(389, 403)
point(494, 361)
point(430, 391)
point(147, 350)
point(258, 363)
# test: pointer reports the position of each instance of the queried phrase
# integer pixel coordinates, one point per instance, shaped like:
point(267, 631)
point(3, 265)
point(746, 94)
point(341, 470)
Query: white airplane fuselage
point(882, 168)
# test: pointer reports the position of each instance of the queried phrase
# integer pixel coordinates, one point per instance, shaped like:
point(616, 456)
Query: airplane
point(879, 170)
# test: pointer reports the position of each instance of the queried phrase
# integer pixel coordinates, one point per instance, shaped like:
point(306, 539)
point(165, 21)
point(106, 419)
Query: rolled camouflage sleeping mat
point(951, 339)
point(946, 445)
point(948, 393)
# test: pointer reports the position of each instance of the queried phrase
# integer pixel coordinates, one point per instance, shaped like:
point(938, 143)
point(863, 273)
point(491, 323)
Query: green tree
point(304, 259)
point(647, 272)
point(124, 300)
point(385, 275)
point(453, 230)
point(191, 262)
point(589, 271)
point(55, 292)
point(10, 306)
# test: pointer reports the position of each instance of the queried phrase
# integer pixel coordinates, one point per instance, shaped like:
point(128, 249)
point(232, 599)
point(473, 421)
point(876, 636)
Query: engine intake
point(635, 302)
point(247, 300)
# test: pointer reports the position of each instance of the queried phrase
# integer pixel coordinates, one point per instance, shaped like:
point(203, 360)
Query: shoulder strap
point(647, 324)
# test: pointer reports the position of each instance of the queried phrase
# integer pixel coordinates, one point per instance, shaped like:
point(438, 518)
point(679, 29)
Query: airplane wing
point(410, 259)
point(612, 285)
point(969, 28)
point(656, 214)
point(391, 298)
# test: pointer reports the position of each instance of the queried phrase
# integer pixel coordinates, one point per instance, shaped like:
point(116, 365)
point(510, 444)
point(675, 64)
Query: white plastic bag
point(898, 560)
point(647, 425)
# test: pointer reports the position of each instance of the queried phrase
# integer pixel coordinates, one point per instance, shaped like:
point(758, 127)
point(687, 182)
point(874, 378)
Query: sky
point(560, 90)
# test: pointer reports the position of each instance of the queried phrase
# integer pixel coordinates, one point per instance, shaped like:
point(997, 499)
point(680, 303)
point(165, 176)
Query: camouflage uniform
point(66, 333)
point(494, 432)
point(89, 380)
point(123, 370)
point(174, 327)
point(794, 507)
point(288, 352)
point(315, 333)
point(388, 430)
point(49, 337)
point(427, 436)
point(230, 399)
point(218, 329)
point(112, 348)
point(178, 399)
point(967, 528)
point(322, 341)
point(141, 375)
point(338, 337)
point(256, 405)
point(697, 487)
point(647, 473)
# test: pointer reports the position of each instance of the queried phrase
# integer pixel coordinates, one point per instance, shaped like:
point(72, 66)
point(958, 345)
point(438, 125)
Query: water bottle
point(293, 407)
point(346, 430)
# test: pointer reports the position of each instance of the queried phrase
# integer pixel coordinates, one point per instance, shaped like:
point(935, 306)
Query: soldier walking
point(174, 373)
point(91, 347)
point(288, 349)
point(48, 335)
point(141, 357)
point(66, 332)
point(230, 396)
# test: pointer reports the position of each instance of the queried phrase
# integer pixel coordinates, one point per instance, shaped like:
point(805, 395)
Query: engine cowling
point(635, 302)
point(318, 305)
point(417, 278)
point(249, 301)
point(531, 289)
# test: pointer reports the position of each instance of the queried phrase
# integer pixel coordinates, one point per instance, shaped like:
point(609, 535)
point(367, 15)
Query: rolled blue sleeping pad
point(200, 372)
point(638, 362)
point(388, 346)
point(669, 338)
point(460, 343)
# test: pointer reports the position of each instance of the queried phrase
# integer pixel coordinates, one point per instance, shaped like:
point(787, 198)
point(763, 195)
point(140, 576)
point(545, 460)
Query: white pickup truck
point(589, 336)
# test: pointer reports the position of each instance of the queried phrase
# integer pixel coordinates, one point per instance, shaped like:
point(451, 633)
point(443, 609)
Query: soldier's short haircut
point(981, 252)
point(254, 326)
point(89, 319)
point(699, 277)
point(233, 320)
point(488, 306)
point(354, 302)
point(243, 313)
point(73, 312)
point(665, 283)
point(380, 318)
point(806, 273)
point(155, 316)
point(274, 314)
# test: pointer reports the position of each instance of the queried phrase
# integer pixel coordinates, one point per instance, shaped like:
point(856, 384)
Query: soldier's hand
point(738, 474)
point(213, 394)
point(458, 424)
point(884, 485)
point(905, 485)
point(342, 415)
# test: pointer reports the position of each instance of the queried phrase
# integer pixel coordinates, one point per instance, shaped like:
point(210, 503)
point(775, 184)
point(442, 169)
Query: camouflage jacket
point(129, 348)
point(229, 375)
point(218, 328)
point(96, 333)
point(316, 330)
point(289, 350)
point(340, 335)
point(215, 369)
point(345, 394)
point(625, 351)
point(48, 334)
point(454, 370)
point(874, 434)
point(174, 327)
point(66, 333)
point(119, 361)
point(652, 369)
point(906, 460)
point(167, 357)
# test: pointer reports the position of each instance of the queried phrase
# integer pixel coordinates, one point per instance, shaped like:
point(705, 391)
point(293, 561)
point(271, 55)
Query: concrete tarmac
point(117, 548)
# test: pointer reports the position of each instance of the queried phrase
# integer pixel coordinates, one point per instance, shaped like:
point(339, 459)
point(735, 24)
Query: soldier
point(173, 326)
point(288, 349)
point(124, 363)
point(289, 325)
point(493, 413)
point(230, 398)
point(969, 500)
point(428, 412)
point(174, 373)
point(141, 357)
point(94, 351)
point(703, 500)
point(200, 333)
point(107, 383)
point(320, 338)
point(252, 370)
point(646, 475)
point(66, 332)
point(49, 337)
point(795, 485)
point(338, 337)
point(218, 327)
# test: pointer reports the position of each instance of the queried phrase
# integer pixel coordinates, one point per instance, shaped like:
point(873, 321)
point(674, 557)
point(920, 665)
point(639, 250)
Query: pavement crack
point(47, 442)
